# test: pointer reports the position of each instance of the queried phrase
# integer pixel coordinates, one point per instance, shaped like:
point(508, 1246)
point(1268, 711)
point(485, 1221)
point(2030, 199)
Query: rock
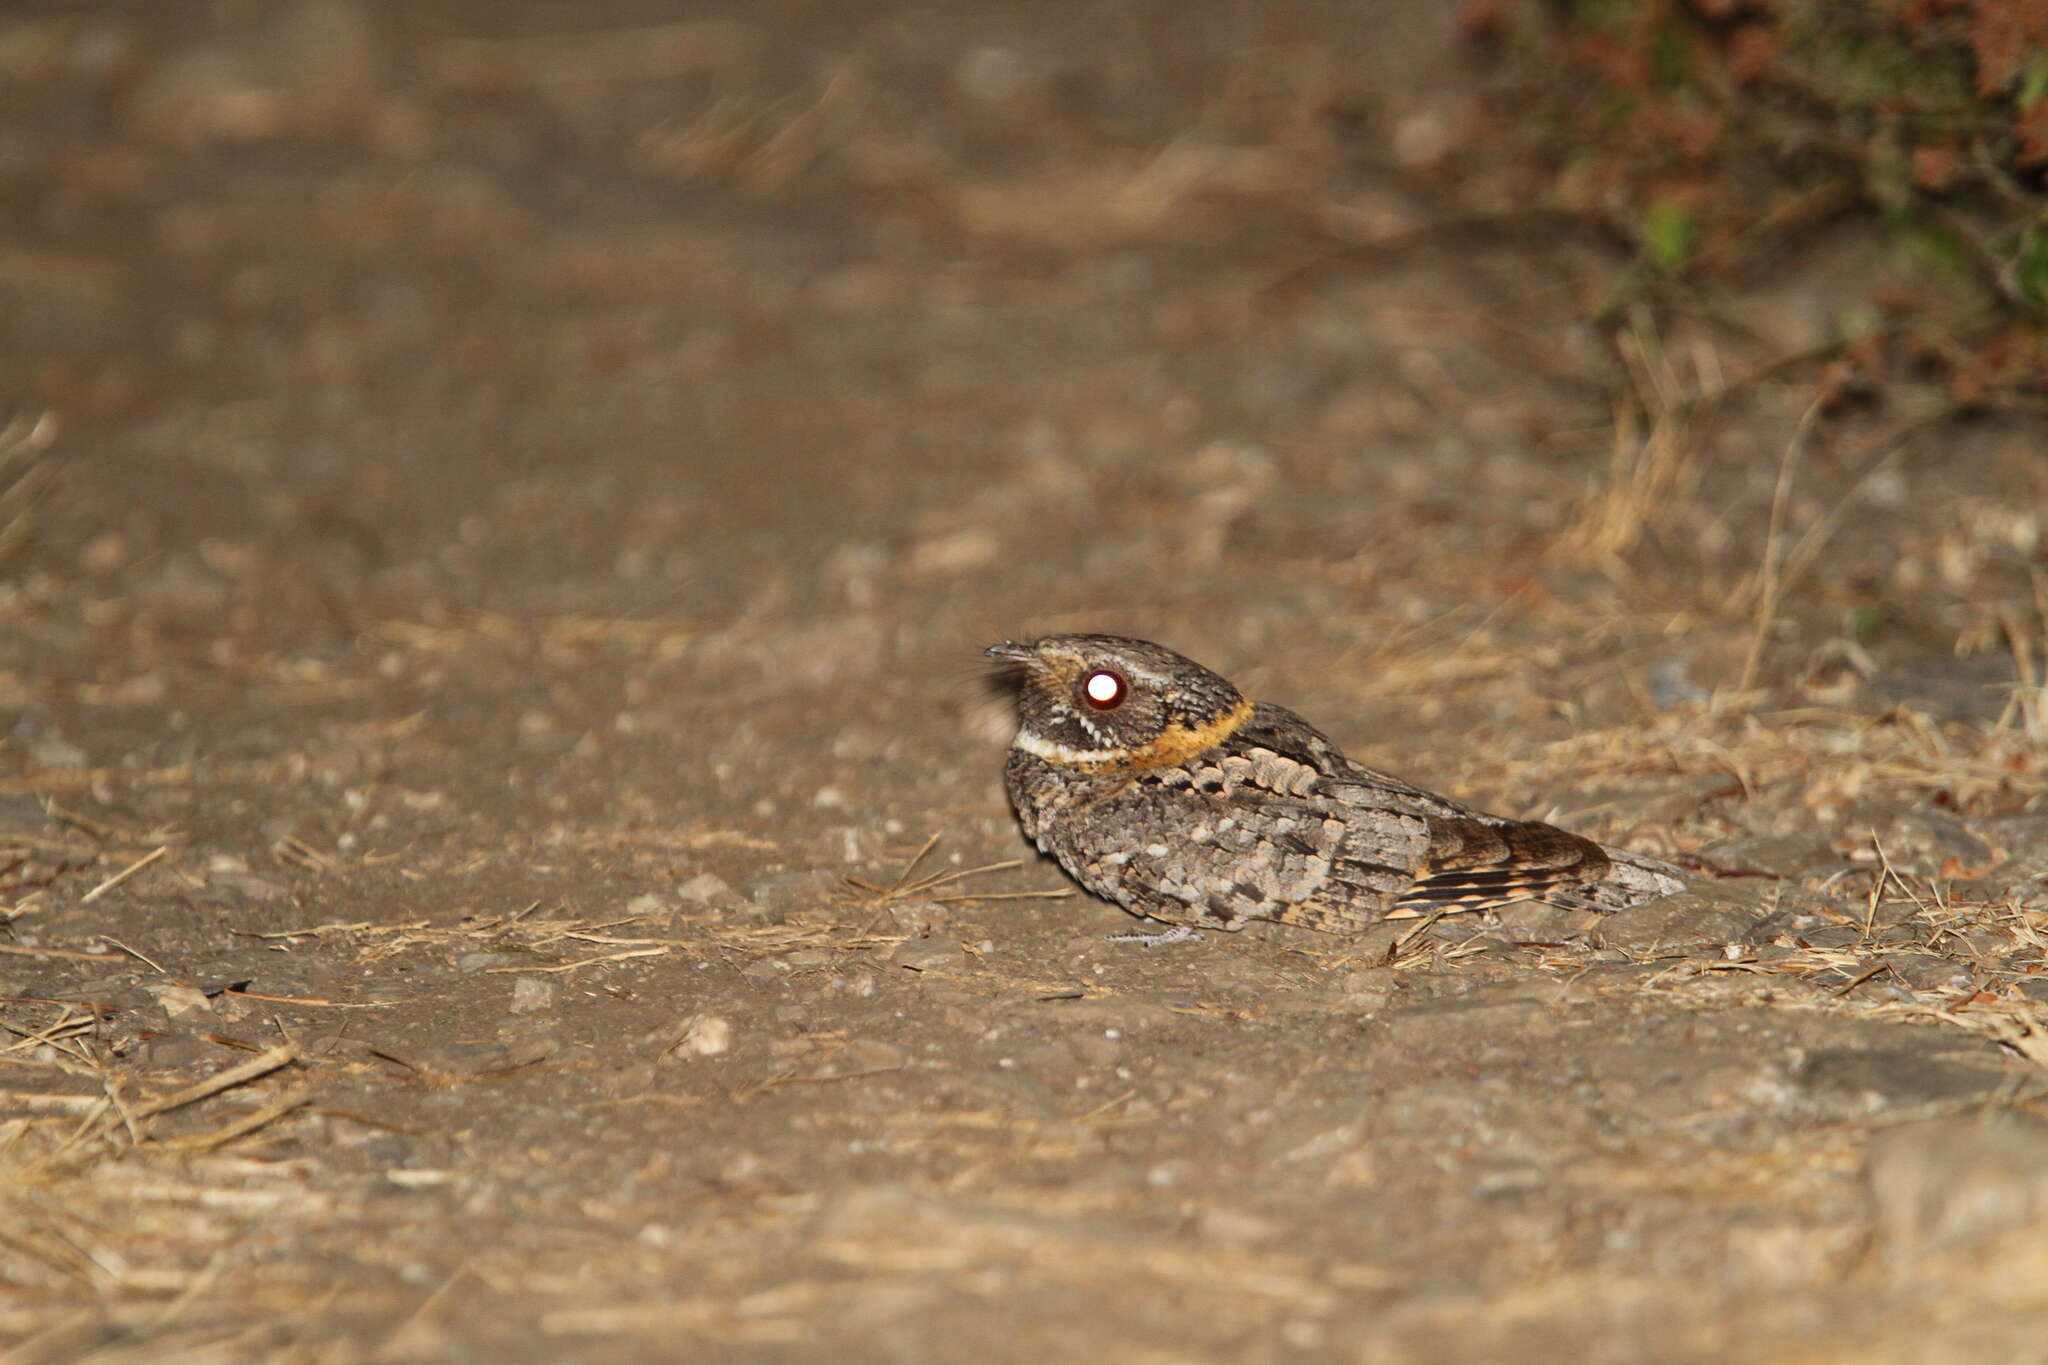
point(1930, 972)
point(1236, 1227)
point(704, 888)
point(1788, 855)
point(707, 1036)
point(235, 970)
point(531, 994)
point(928, 954)
point(180, 1000)
point(1858, 1081)
point(795, 887)
point(1531, 922)
point(858, 982)
point(1369, 990)
point(916, 917)
point(1933, 843)
point(1704, 916)
point(1950, 1183)
point(2024, 837)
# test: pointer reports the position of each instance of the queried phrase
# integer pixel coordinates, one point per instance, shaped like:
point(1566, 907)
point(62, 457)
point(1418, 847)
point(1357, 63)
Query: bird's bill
point(1012, 653)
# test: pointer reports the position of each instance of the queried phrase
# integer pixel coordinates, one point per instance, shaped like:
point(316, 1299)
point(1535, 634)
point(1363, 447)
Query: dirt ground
point(501, 846)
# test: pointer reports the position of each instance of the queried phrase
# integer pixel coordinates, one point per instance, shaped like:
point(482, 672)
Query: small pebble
point(707, 1036)
point(531, 994)
point(180, 1000)
point(705, 886)
point(927, 954)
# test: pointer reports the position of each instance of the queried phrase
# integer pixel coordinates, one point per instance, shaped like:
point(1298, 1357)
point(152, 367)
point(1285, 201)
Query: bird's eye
point(1104, 690)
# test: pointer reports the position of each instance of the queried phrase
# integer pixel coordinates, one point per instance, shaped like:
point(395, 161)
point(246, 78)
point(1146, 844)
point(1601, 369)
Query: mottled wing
point(1374, 863)
point(1287, 735)
point(1352, 840)
point(1477, 861)
point(1477, 864)
point(1215, 843)
point(1372, 831)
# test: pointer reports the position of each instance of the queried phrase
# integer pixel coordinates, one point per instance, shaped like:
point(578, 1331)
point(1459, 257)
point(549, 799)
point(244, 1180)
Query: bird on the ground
point(1159, 786)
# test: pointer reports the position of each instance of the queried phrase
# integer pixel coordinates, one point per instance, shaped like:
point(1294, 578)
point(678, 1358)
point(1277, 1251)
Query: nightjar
point(1158, 785)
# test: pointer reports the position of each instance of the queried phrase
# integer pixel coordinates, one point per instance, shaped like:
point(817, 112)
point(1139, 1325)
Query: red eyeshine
point(1103, 690)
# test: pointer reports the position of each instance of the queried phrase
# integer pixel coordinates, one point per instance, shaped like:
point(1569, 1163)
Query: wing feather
point(1476, 863)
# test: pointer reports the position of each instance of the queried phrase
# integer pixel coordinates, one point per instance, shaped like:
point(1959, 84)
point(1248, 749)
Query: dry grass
point(24, 476)
point(941, 887)
point(1652, 476)
point(92, 1174)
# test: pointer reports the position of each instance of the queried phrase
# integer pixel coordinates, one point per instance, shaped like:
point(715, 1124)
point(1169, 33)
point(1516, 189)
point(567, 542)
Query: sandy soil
point(501, 848)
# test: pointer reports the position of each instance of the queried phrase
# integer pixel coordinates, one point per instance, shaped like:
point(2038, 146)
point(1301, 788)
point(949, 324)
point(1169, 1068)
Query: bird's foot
point(1177, 933)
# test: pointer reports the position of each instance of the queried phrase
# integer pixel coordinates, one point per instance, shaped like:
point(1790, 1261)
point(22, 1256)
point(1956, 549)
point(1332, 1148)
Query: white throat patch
point(1038, 746)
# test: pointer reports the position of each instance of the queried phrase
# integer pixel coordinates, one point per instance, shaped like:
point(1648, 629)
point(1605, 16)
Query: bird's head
point(1105, 703)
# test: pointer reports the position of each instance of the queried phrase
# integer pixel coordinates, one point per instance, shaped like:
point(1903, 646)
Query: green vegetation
point(1750, 125)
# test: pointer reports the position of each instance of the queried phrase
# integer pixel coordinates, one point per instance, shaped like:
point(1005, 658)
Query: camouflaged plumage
point(1171, 794)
